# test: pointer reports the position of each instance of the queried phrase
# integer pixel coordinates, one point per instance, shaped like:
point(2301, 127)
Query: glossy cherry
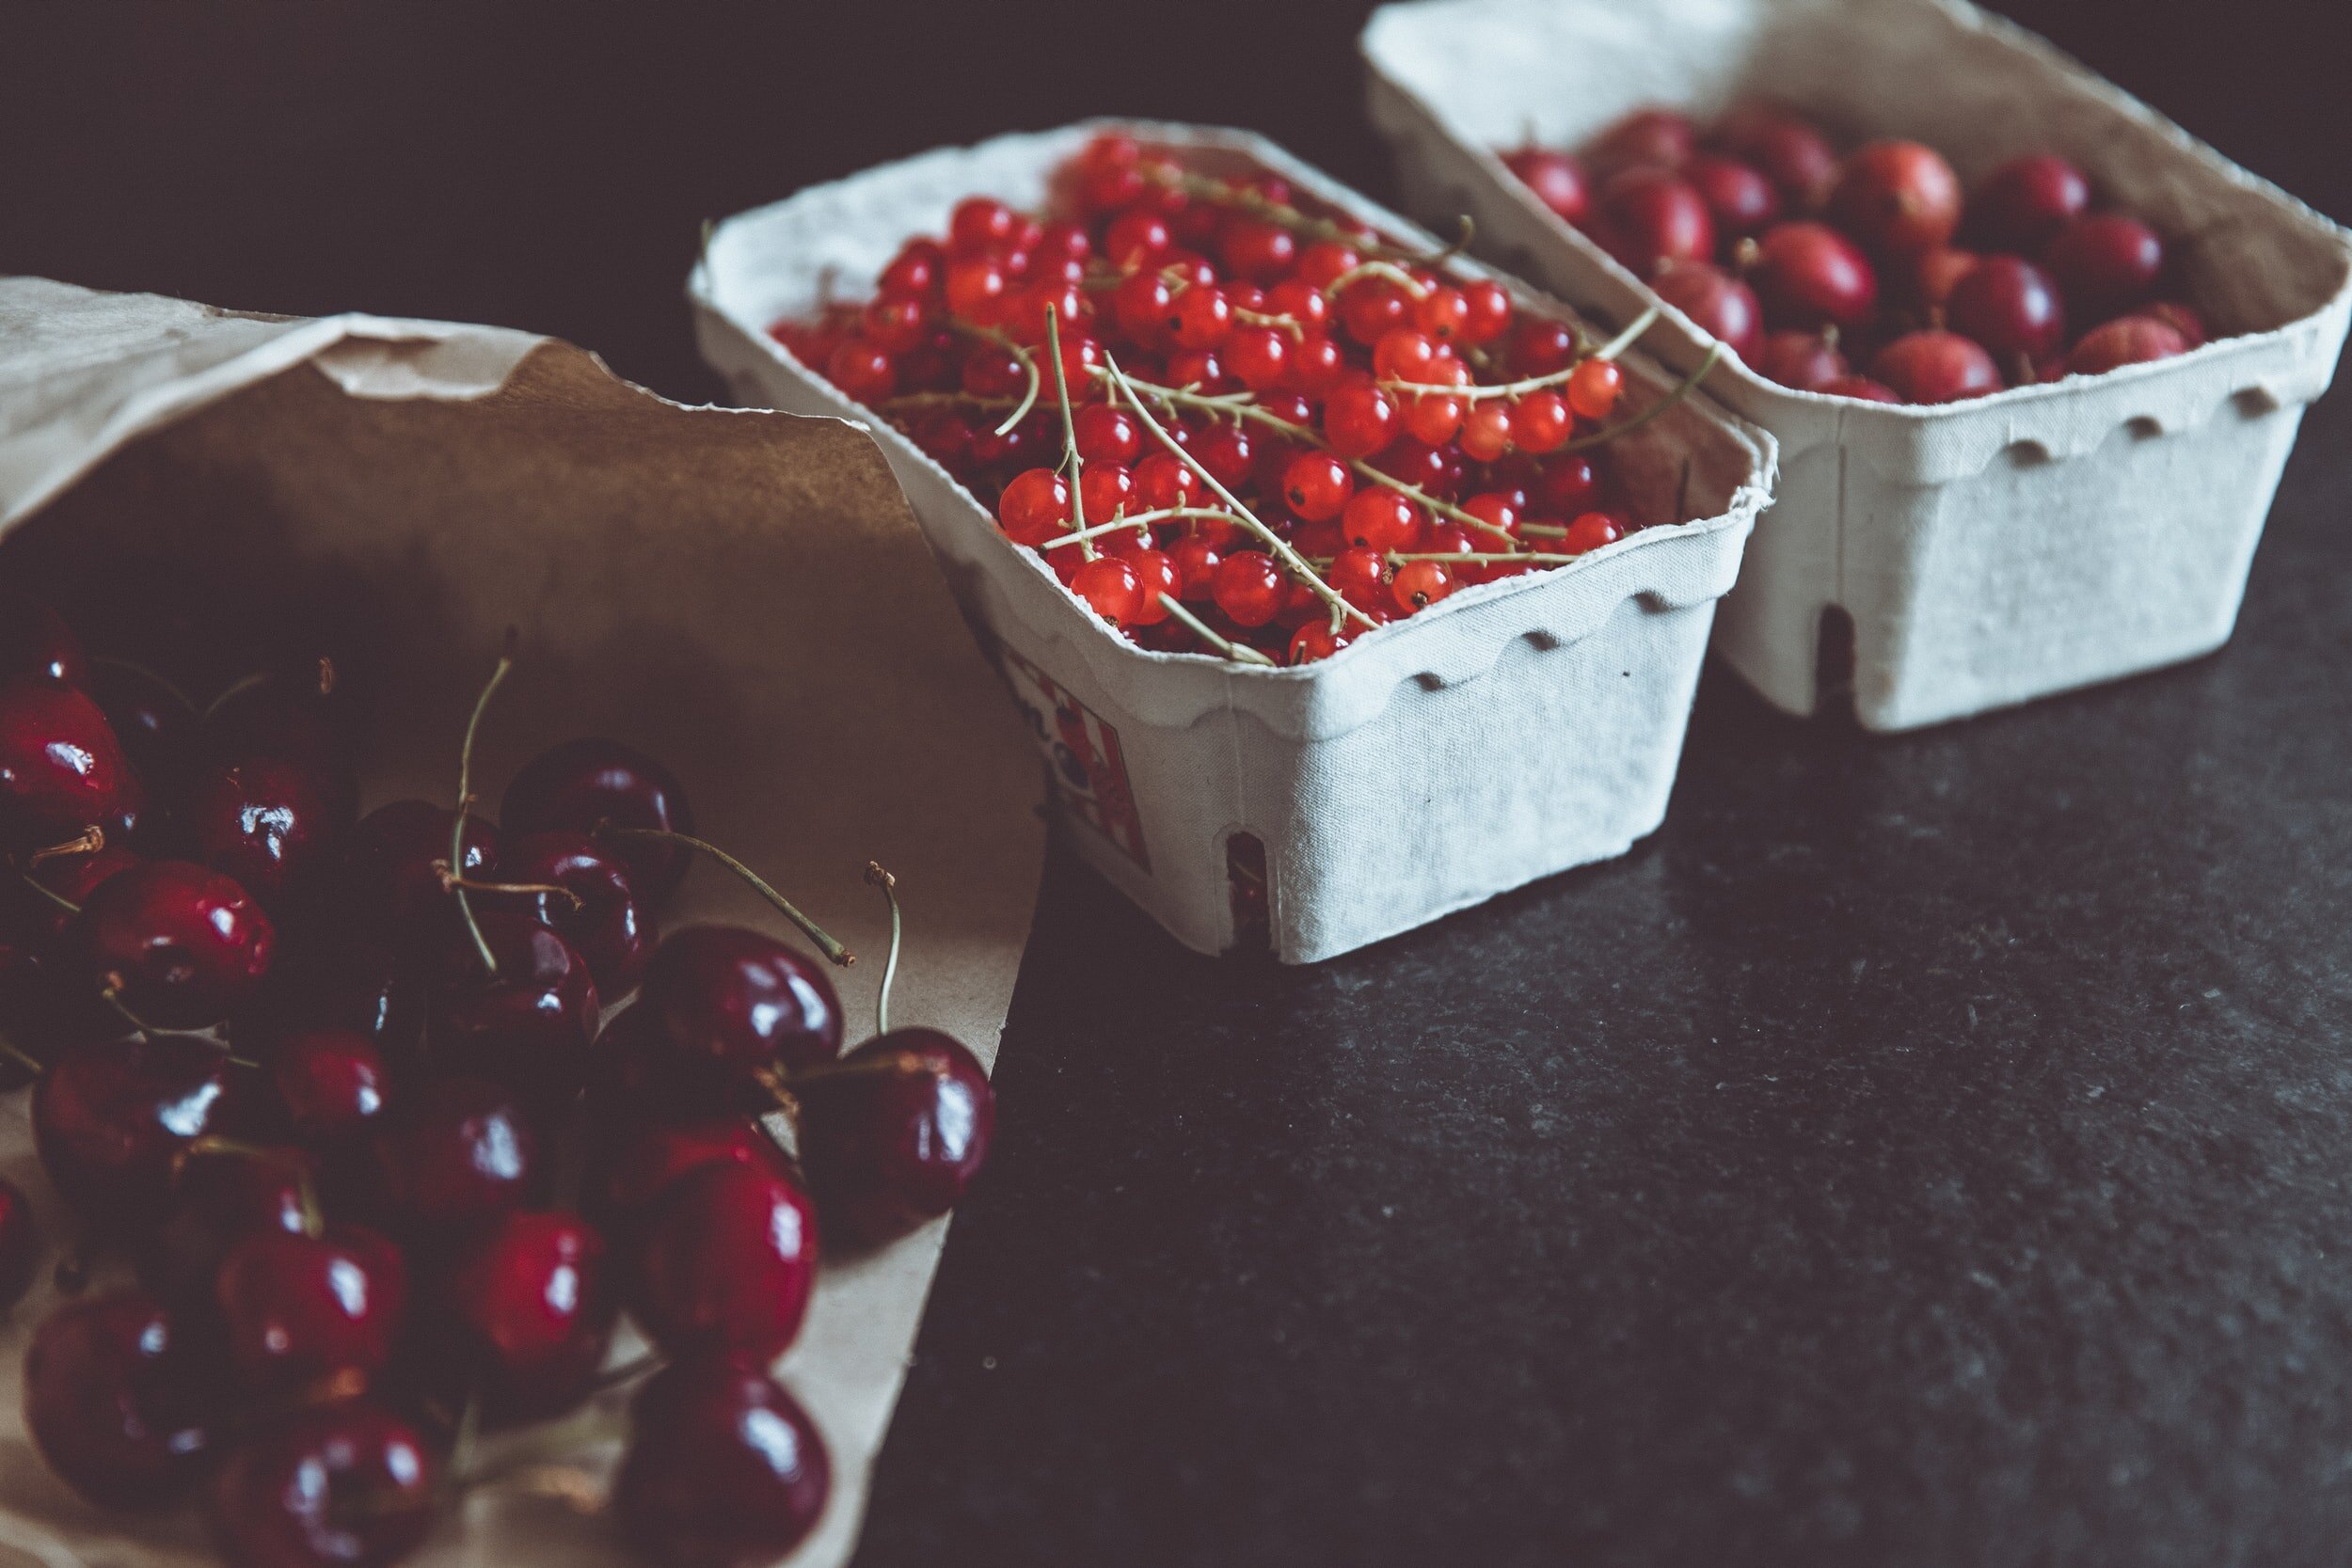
point(1808, 274)
point(300, 712)
point(1792, 154)
point(530, 1305)
point(2106, 263)
point(180, 945)
point(1936, 366)
point(725, 1263)
point(332, 1084)
point(1557, 180)
point(20, 1244)
point(35, 642)
point(1660, 137)
point(61, 769)
point(588, 780)
point(298, 1307)
point(1647, 217)
point(893, 1137)
point(2022, 205)
point(635, 1163)
point(217, 1200)
point(344, 1486)
point(2125, 341)
point(1717, 303)
point(1739, 195)
point(529, 1024)
point(2012, 307)
point(724, 1468)
point(119, 1407)
point(725, 1002)
point(111, 1117)
point(458, 1155)
point(1804, 360)
point(392, 886)
point(262, 822)
point(322, 980)
point(1897, 198)
point(152, 722)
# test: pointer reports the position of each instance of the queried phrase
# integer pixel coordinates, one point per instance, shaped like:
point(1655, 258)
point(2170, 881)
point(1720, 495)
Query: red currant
point(1164, 482)
point(1226, 451)
point(1487, 432)
point(1197, 559)
point(1594, 389)
point(897, 323)
point(1156, 574)
point(1034, 507)
point(1324, 262)
point(1358, 419)
point(1200, 317)
point(1259, 357)
point(979, 224)
point(1369, 307)
point(863, 371)
point(1256, 249)
point(975, 285)
point(1380, 520)
point(1541, 421)
point(1420, 584)
point(1317, 364)
point(1110, 588)
point(1359, 574)
point(917, 272)
point(1301, 301)
point(1106, 489)
point(1590, 532)
point(1317, 484)
point(1108, 435)
point(1250, 588)
point(1569, 485)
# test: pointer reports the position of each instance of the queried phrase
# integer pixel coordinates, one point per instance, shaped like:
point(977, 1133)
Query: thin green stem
point(1028, 364)
point(26, 1059)
point(1239, 652)
point(465, 802)
point(1632, 335)
point(1389, 270)
point(1127, 520)
point(1069, 434)
point(1625, 427)
point(170, 689)
point(833, 950)
point(889, 885)
point(51, 894)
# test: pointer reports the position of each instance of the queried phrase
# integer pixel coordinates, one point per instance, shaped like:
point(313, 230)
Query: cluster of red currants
point(342, 1090)
point(1230, 418)
point(1805, 264)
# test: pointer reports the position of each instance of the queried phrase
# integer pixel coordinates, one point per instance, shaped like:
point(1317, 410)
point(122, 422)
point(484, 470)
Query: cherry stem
point(314, 1216)
point(26, 1059)
point(1069, 435)
point(1241, 652)
point(889, 885)
point(53, 896)
point(88, 842)
point(894, 1064)
point(627, 1371)
point(113, 998)
point(236, 689)
point(832, 949)
point(1028, 364)
point(1625, 427)
point(170, 689)
point(452, 881)
point(465, 800)
point(1274, 541)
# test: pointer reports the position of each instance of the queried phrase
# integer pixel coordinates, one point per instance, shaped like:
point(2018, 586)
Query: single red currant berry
point(1359, 575)
point(1250, 588)
point(1369, 307)
point(993, 372)
point(1256, 249)
point(1200, 317)
point(1197, 559)
point(1317, 485)
point(1317, 640)
point(1540, 422)
point(1107, 490)
point(1300, 301)
point(1358, 419)
point(1568, 485)
point(1324, 262)
point(1317, 364)
point(1543, 348)
point(1164, 482)
point(1404, 355)
point(979, 224)
point(1259, 357)
point(1108, 435)
point(1434, 420)
point(1110, 589)
point(1496, 509)
point(1156, 574)
point(862, 370)
point(1443, 314)
point(1594, 388)
point(1229, 455)
point(1420, 584)
point(895, 324)
point(1034, 507)
point(1380, 520)
point(1487, 432)
point(1486, 315)
point(917, 272)
point(1590, 532)
point(976, 289)
point(1200, 368)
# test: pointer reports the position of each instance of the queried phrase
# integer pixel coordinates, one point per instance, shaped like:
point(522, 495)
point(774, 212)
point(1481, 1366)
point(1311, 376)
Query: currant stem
point(889, 885)
point(1511, 558)
point(1137, 519)
point(465, 801)
point(1028, 364)
point(1242, 652)
point(1068, 441)
point(833, 950)
point(1625, 427)
point(1282, 215)
point(1279, 546)
point(1632, 335)
point(1389, 270)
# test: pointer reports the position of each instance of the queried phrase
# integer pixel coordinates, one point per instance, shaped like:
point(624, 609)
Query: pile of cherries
point(1806, 265)
point(340, 1090)
point(1230, 419)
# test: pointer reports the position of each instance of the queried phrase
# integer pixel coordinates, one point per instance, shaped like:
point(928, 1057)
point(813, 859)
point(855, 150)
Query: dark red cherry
point(1647, 217)
point(459, 1153)
point(302, 712)
point(2023, 204)
point(35, 641)
point(724, 1468)
point(217, 1200)
point(110, 1116)
point(725, 1002)
point(72, 878)
point(1660, 137)
point(634, 1077)
point(1859, 387)
point(321, 981)
point(120, 1409)
point(152, 722)
point(891, 1147)
point(1808, 274)
point(1741, 198)
point(61, 769)
point(332, 1084)
point(1557, 180)
point(529, 1025)
point(181, 945)
point(532, 1303)
point(1804, 360)
point(2012, 307)
point(604, 919)
point(2125, 341)
point(1792, 154)
point(588, 780)
point(262, 822)
point(634, 1166)
point(1936, 366)
point(345, 1486)
point(1718, 303)
point(725, 1263)
point(391, 884)
point(20, 1244)
point(300, 1307)
point(1898, 198)
point(2106, 263)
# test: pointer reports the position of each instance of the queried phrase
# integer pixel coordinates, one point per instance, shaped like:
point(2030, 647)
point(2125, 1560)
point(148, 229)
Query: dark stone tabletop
point(1926, 1150)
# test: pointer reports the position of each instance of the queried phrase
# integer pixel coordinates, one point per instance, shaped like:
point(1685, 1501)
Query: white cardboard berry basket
point(1512, 731)
point(1988, 552)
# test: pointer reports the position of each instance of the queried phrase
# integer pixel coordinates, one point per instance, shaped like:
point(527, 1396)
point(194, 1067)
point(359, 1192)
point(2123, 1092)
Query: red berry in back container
point(1936, 273)
point(1663, 137)
point(2022, 205)
point(1897, 198)
point(1651, 216)
point(1807, 361)
point(1557, 180)
point(1936, 366)
point(1738, 195)
point(1860, 387)
point(2125, 341)
point(1809, 275)
point(2011, 307)
point(1250, 588)
point(1718, 303)
point(2106, 263)
point(1791, 154)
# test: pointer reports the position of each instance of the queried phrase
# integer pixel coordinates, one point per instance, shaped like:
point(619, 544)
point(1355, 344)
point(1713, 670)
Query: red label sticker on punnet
point(1090, 770)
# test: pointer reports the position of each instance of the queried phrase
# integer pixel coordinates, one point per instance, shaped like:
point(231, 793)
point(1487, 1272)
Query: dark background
point(1922, 1151)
